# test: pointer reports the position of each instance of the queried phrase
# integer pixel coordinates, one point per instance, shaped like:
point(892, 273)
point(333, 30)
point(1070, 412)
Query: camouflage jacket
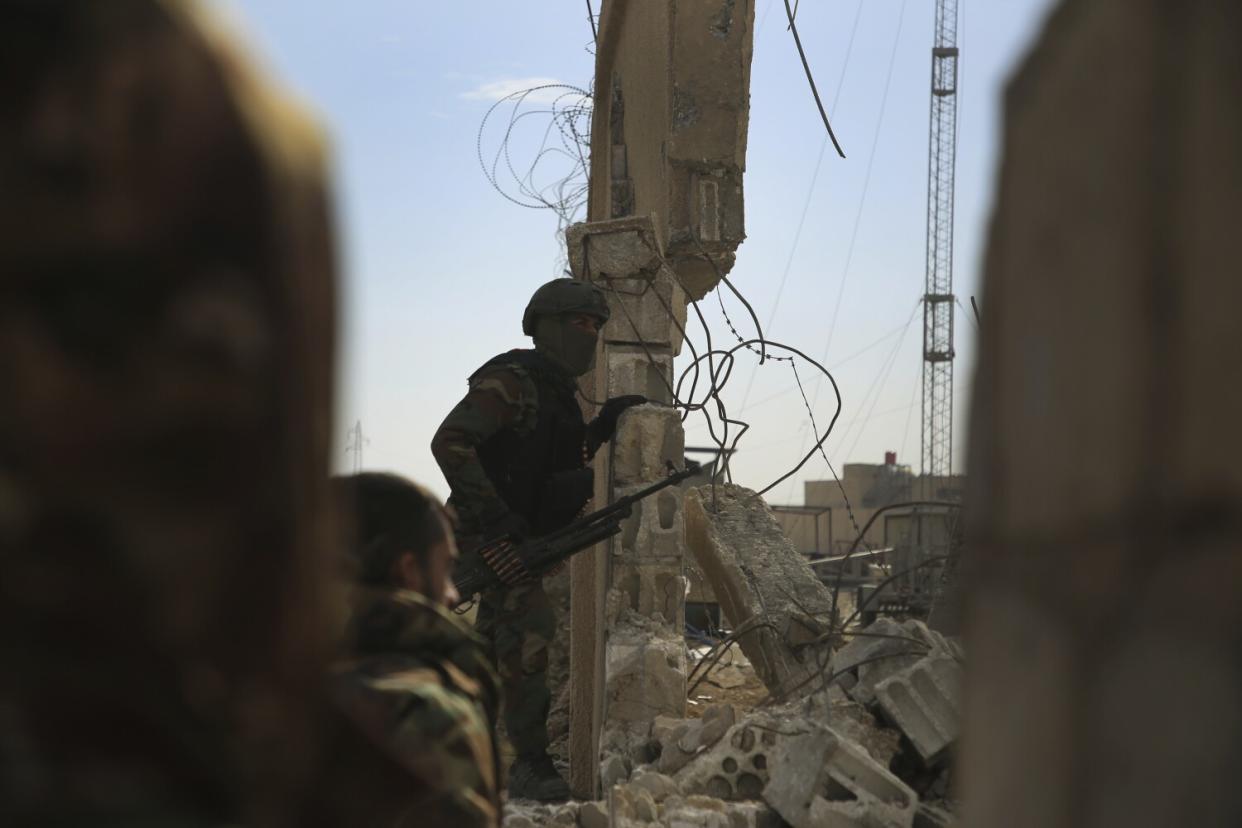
point(418, 682)
point(504, 403)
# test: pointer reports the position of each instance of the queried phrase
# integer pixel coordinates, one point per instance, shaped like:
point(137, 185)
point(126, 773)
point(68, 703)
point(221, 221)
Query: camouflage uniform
point(504, 411)
point(166, 318)
point(419, 683)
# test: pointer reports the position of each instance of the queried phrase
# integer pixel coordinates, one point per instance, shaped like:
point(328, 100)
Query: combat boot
point(535, 777)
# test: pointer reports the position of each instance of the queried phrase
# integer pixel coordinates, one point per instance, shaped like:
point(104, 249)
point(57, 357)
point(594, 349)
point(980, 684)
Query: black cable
point(793, 27)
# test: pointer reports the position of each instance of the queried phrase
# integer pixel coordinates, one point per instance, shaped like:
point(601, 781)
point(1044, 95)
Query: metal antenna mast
point(938, 297)
point(354, 445)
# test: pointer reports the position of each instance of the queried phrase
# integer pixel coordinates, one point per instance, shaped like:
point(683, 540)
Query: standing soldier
point(515, 452)
point(416, 680)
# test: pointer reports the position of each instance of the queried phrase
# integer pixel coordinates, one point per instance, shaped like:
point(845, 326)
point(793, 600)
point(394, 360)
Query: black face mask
point(570, 347)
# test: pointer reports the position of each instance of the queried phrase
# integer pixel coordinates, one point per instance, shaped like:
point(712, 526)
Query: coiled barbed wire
point(554, 120)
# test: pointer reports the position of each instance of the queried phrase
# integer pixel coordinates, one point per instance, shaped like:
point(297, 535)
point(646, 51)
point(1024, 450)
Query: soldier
point(515, 452)
point(417, 681)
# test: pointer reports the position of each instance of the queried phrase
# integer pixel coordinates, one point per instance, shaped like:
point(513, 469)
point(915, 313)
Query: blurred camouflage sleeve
point(440, 735)
point(501, 397)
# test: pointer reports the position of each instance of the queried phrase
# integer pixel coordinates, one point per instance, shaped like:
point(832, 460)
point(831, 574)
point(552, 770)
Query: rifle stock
point(498, 562)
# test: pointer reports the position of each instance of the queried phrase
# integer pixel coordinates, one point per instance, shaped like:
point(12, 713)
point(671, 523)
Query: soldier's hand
point(605, 423)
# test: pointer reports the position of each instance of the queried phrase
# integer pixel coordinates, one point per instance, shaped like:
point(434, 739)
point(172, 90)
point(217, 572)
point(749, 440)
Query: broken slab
point(923, 702)
point(759, 578)
point(819, 780)
point(884, 649)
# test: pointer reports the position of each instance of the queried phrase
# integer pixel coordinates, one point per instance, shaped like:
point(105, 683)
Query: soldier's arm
point(501, 398)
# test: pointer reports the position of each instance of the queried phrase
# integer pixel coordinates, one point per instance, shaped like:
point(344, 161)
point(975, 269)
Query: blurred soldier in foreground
point(166, 317)
point(416, 679)
point(515, 452)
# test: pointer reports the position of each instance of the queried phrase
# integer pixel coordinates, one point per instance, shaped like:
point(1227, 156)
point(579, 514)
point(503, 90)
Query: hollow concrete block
point(821, 780)
point(648, 438)
point(923, 701)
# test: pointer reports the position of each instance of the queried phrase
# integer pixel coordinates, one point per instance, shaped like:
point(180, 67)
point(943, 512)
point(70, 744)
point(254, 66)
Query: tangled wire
point(555, 122)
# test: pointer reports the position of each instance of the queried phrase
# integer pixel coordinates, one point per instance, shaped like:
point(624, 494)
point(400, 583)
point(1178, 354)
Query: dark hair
point(390, 516)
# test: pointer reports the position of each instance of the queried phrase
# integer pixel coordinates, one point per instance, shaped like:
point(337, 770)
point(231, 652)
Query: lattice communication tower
point(938, 299)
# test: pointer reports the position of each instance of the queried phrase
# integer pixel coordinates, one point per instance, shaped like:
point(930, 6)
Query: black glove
point(510, 525)
point(604, 425)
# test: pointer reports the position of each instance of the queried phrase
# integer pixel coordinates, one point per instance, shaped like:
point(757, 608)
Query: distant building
point(822, 526)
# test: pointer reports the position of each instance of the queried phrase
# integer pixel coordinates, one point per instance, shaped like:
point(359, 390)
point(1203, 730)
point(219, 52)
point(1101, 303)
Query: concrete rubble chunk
point(856, 723)
point(681, 743)
point(884, 649)
point(923, 701)
point(630, 807)
point(613, 770)
point(760, 579)
point(660, 787)
point(593, 815)
point(646, 671)
point(820, 779)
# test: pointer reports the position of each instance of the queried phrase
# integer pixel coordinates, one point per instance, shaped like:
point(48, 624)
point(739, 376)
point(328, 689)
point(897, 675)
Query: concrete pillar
point(1104, 620)
point(668, 145)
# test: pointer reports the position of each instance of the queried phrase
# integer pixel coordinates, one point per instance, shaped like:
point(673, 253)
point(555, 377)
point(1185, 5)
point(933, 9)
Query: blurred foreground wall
point(1105, 616)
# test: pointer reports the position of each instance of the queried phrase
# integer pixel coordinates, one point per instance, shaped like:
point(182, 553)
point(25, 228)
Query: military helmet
point(564, 296)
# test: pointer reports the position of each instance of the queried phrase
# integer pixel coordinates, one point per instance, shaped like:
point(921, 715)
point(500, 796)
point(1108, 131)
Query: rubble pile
point(870, 749)
point(862, 736)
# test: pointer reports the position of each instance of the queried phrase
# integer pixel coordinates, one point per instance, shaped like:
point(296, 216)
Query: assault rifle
point(500, 562)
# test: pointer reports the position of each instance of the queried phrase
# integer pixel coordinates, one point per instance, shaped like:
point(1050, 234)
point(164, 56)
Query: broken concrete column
point(763, 584)
point(668, 149)
point(640, 578)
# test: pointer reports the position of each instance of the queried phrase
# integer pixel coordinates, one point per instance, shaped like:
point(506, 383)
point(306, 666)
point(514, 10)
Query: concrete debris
point(630, 806)
point(593, 815)
point(819, 778)
point(526, 814)
point(680, 743)
point(736, 766)
point(613, 769)
point(727, 677)
point(922, 701)
point(853, 721)
point(660, 787)
point(645, 669)
point(929, 816)
point(884, 649)
point(761, 581)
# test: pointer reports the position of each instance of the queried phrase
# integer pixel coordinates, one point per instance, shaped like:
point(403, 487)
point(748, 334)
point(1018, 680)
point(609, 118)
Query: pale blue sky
point(438, 266)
